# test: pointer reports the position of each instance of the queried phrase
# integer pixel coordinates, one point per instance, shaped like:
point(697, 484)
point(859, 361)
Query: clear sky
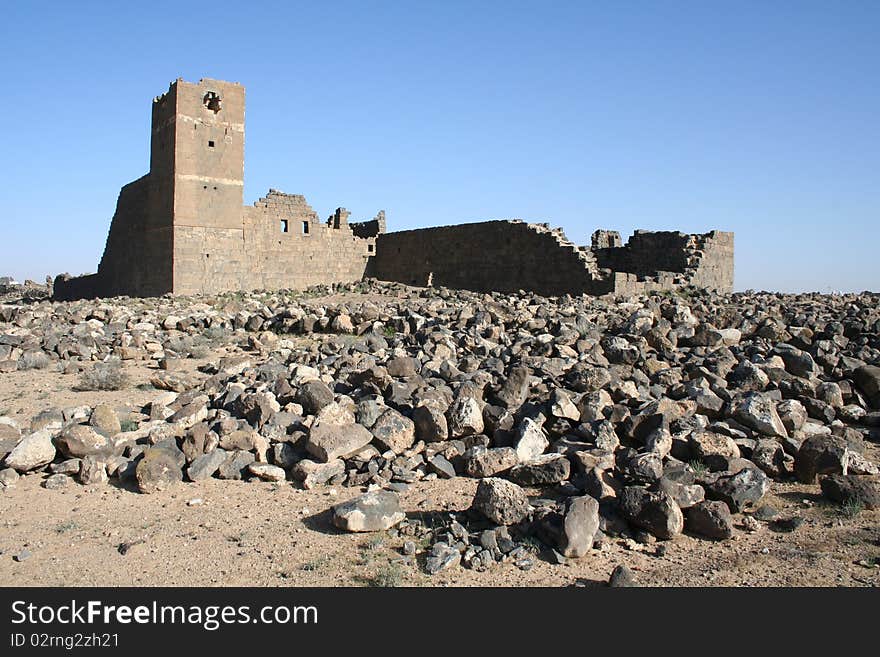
point(758, 117)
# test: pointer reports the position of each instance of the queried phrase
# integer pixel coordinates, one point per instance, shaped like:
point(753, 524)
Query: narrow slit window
point(370, 248)
point(305, 228)
point(211, 144)
point(284, 225)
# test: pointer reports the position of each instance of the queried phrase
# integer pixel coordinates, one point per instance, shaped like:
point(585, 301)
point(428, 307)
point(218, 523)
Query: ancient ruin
point(183, 229)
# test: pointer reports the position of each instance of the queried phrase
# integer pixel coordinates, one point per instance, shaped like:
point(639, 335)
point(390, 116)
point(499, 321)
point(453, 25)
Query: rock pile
point(657, 414)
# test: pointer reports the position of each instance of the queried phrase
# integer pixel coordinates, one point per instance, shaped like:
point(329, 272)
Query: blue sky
point(758, 117)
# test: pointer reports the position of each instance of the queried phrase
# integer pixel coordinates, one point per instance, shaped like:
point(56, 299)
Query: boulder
point(579, 526)
point(371, 512)
point(852, 489)
point(544, 470)
point(79, 440)
point(158, 469)
point(820, 455)
point(33, 451)
point(710, 519)
point(488, 462)
point(655, 512)
point(531, 441)
point(206, 465)
point(330, 442)
point(394, 431)
point(758, 412)
point(741, 489)
point(501, 501)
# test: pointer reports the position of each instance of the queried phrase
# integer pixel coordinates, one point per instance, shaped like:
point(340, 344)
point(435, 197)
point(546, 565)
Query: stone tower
point(197, 169)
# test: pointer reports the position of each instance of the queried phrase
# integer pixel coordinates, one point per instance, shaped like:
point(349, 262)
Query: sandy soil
point(261, 534)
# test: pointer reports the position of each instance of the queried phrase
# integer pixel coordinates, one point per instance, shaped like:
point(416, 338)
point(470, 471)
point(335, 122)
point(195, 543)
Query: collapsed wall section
point(503, 256)
point(507, 256)
point(287, 245)
point(665, 260)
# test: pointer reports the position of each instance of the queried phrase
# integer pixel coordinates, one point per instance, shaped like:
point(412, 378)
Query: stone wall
point(137, 256)
point(309, 253)
point(182, 229)
point(666, 259)
point(495, 255)
point(279, 244)
point(511, 255)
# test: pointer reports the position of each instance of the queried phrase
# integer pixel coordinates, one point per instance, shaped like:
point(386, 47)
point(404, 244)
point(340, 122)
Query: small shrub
point(699, 468)
point(103, 376)
point(65, 526)
point(128, 425)
point(852, 507)
point(388, 575)
point(315, 564)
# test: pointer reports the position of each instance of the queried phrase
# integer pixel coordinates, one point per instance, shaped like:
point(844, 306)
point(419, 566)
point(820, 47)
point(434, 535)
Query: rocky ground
point(387, 435)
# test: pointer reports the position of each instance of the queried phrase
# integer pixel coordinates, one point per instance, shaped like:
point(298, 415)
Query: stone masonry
point(183, 229)
point(507, 256)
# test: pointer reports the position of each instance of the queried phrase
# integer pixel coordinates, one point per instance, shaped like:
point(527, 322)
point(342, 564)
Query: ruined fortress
point(184, 229)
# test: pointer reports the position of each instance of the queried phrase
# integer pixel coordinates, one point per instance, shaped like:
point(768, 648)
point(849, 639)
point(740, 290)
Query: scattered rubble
point(583, 418)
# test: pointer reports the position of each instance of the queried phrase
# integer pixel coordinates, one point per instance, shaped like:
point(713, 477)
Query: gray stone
point(93, 470)
point(32, 452)
point(501, 501)
point(758, 411)
point(313, 474)
point(371, 512)
point(430, 423)
point(105, 420)
point(821, 455)
point(487, 462)
point(465, 417)
point(710, 519)
point(740, 490)
point(79, 440)
point(792, 413)
point(867, 378)
point(267, 472)
point(402, 367)
point(621, 577)
point(531, 441)
point(440, 465)
point(579, 526)
point(713, 449)
point(656, 513)
point(544, 470)
point(8, 477)
point(56, 481)
point(9, 438)
point(284, 455)
point(515, 389)
point(685, 495)
point(313, 396)
point(206, 465)
point(330, 442)
point(235, 465)
point(852, 489)
point(158, 470)
point(442, 557)
point(394, 431)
